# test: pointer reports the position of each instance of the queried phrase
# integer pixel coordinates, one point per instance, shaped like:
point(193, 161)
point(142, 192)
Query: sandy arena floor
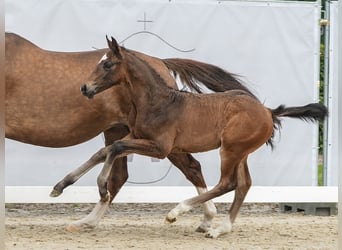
point(141, 226)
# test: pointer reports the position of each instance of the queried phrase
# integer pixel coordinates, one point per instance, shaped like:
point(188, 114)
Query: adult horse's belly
point(49, 126)
point(47, 135)
point(54, 119)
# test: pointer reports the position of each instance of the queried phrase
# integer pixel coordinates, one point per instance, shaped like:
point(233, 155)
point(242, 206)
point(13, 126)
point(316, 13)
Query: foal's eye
point(108, 65)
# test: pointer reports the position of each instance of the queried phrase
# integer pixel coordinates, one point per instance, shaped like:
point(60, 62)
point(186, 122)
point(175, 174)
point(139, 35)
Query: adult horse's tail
point(310, 113)
point(214, 78)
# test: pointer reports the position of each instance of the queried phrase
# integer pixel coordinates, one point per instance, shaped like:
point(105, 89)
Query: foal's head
point(109, 71)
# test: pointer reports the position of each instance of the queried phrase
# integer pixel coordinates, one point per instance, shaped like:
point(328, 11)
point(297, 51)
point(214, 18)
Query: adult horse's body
point(43, 105)
point(164, 121)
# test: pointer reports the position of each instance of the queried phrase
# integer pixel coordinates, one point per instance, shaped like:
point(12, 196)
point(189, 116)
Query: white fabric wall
point(332, 151)
point(273, 45)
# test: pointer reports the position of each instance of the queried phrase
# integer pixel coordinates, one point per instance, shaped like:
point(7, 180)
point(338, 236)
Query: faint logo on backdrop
point(145, 21)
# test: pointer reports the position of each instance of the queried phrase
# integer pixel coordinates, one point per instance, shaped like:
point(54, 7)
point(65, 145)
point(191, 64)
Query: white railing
point(172, 194)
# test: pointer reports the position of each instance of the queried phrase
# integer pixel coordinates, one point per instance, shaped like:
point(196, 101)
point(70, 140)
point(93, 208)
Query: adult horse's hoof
point(55, 193)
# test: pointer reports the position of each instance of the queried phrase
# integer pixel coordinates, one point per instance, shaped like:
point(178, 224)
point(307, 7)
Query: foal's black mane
point(154, 73)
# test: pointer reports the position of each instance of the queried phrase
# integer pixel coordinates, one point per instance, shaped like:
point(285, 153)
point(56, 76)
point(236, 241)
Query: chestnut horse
point(165, 121)
point(39, 113)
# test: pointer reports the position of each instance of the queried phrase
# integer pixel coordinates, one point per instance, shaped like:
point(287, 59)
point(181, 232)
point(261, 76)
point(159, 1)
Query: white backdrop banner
point(332, 150)
point(273, 45)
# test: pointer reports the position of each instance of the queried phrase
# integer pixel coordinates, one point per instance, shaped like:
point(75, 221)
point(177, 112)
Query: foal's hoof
point(201, 230)
point(105, 197)
point(171, 217)
point(170, 220)
point(212, 234)
point(72, 228)
point(55, 193)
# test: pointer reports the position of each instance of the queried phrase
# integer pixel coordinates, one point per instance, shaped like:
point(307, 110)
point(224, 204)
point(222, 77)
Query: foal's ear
point(114, 46)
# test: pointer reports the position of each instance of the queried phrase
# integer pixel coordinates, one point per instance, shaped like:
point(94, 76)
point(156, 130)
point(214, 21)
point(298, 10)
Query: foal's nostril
point(84, 89)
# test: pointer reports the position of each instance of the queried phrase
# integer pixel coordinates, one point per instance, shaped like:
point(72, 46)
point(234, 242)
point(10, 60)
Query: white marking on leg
point(209, 212)
point(223, 228)
point(92, 219)
point(179, 209)
point(103, 58)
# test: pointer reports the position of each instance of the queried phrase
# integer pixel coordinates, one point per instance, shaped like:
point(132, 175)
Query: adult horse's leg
point(191, 168)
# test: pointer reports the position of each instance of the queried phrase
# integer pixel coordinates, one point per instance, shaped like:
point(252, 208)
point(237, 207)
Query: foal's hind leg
point(244, 182)
point(229, 163)
point(191, 168)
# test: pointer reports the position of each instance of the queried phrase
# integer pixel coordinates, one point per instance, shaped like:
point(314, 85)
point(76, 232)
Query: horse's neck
point(146, 86)
point(152, 101)
point(158, 65)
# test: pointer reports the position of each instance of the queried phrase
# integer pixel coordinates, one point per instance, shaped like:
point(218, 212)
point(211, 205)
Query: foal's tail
point(192, 72)
point(312, 112)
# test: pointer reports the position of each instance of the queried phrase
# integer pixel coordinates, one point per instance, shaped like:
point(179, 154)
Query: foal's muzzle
point(87, 92)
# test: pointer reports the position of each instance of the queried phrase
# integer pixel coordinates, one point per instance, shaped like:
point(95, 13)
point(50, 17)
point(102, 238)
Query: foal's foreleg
point(117, 178)
point(72, 177)
point(123, 148)
point(191, 168)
